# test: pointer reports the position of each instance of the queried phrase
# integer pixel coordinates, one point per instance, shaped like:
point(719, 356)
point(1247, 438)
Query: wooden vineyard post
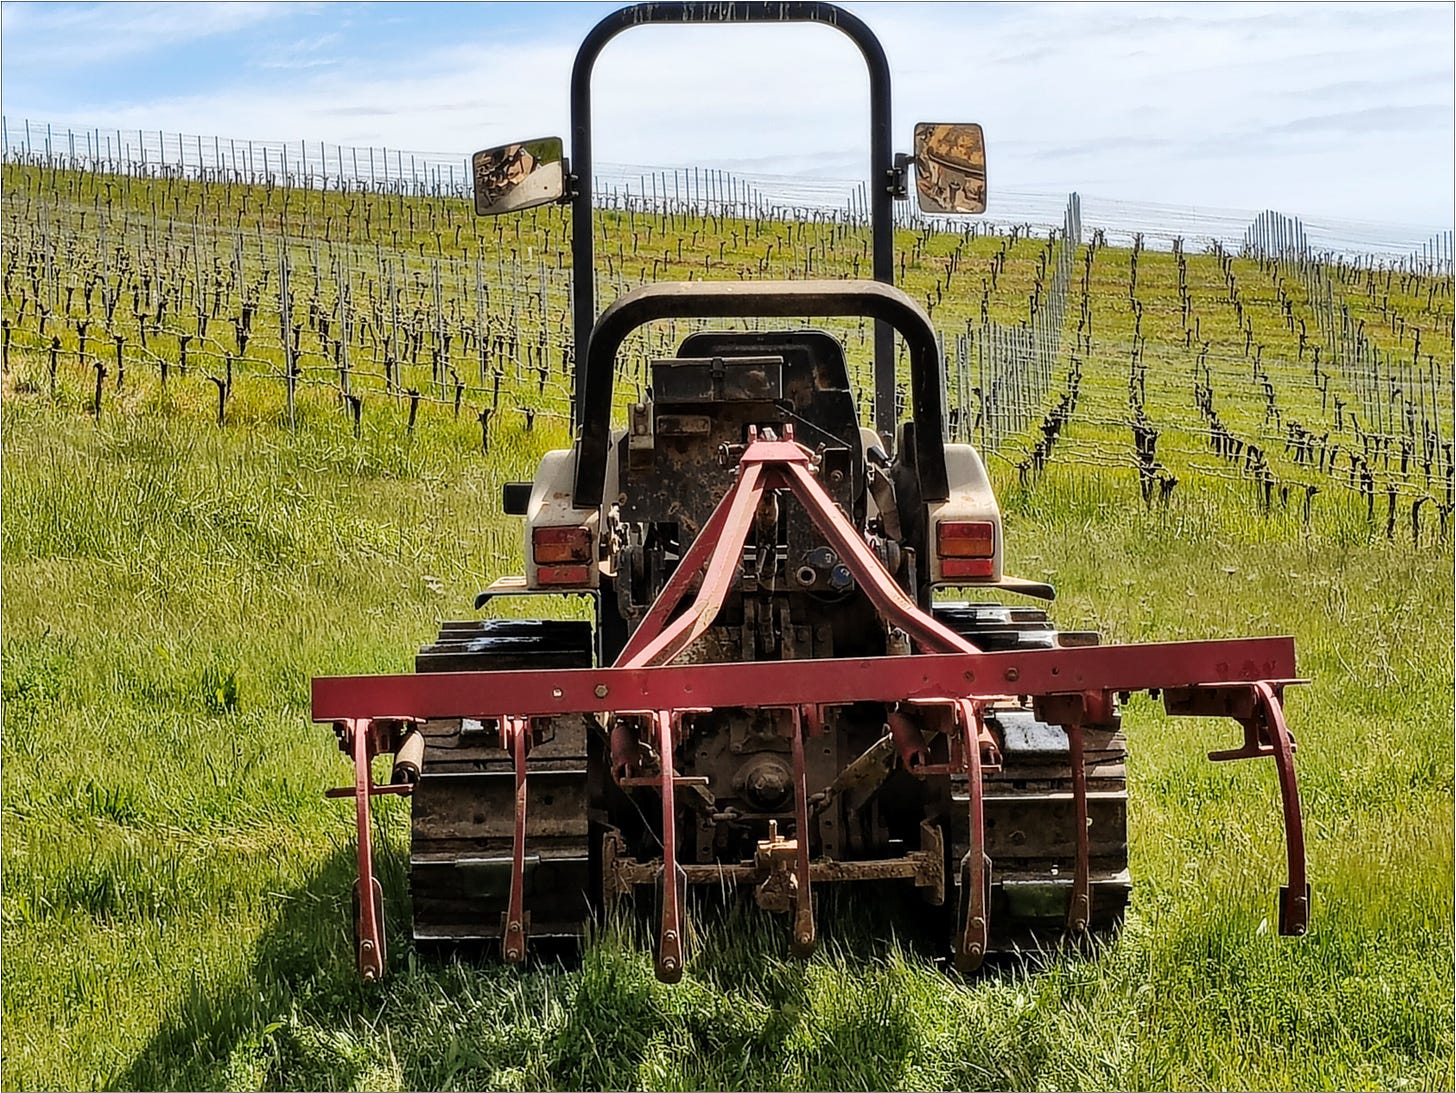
point(100, 379)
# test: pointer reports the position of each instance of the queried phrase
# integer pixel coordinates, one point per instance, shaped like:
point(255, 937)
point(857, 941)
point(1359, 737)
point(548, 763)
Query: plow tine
point(369, 933)
point(1079, 909)
point(669, 936)
point(805, 933)
point(1293, 897)
point(975, 928)
point(513, 929)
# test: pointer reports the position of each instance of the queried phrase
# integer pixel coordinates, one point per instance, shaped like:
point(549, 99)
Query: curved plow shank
point(669, 936)
point(515, 736)
point(370, 928)
point(975, 932)
point(805, 933)
point(1260, 710)
point(1075, 687)
point(1294, 897)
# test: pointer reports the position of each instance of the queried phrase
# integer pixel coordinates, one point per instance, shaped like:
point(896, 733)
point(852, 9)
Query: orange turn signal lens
point(957, 539)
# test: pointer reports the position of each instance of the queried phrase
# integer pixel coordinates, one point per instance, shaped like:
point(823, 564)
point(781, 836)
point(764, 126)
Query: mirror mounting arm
point(896, 175)
point(571, 188)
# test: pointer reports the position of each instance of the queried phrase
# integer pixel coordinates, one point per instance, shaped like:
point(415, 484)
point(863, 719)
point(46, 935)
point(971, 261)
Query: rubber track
point(462, 814)
point(1030, 815)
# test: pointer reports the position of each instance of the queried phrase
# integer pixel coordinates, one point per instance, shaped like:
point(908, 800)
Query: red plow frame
point(1243, 679)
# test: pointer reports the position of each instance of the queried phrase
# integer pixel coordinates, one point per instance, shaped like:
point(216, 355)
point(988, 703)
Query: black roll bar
point(882, 265)
point(769, 299)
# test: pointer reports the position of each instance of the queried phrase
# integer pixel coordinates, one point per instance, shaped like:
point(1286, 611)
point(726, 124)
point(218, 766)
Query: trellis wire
point(156, 153)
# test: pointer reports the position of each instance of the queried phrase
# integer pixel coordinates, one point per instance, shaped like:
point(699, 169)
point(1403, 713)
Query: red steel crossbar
point(551, 692)
point(1242, 678)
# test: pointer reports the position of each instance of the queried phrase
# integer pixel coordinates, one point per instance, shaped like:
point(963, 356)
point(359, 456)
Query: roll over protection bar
point(881, 189)
point(770, 299)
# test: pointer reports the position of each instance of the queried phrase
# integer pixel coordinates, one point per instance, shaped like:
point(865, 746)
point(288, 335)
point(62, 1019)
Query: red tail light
point(561, 545)
point(563, 574)
point(966, 548)
point(967, 567)
point(956, 539)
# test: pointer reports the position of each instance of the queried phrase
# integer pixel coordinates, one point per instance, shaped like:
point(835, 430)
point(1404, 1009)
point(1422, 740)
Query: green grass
point(175, 890)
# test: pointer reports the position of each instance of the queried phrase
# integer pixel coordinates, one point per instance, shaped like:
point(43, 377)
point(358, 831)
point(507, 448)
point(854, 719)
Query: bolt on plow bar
point(645, 698)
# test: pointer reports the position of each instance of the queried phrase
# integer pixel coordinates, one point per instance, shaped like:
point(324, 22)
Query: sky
point(1336, 111)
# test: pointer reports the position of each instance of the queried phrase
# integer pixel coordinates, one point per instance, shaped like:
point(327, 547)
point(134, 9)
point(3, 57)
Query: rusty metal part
point(859, 778)
point(375, 790)
point(778, 890)
point(614, 857)
point(626, 750)
point(408, 757)
point(909, 741)
point(932, 855)
point(369, 932)
point(766, 782)
point(925, 867)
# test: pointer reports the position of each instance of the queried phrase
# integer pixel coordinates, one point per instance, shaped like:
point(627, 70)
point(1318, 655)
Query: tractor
point(776, 691)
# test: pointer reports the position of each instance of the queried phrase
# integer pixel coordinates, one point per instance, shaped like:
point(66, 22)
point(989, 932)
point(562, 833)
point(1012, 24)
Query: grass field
point(176, 890)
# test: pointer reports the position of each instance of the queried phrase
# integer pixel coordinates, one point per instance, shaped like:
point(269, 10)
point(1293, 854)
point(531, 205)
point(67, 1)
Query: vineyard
point(1274, 374)
point(255, 433)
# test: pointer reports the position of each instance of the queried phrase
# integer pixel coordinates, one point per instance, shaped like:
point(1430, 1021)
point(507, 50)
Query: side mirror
point(518, 176)
point(950, 168)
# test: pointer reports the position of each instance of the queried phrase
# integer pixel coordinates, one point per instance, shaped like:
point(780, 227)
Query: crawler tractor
point(774, 696)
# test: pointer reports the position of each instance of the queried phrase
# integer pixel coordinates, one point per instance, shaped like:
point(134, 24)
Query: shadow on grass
point(217, 1036)
point(747, 1015)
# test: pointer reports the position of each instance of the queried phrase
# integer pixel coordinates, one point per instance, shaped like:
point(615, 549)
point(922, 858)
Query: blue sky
point(1322, 110)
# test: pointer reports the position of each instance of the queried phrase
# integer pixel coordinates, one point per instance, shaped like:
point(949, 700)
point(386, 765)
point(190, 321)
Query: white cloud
point(1321, 110)
point(309, 53)
point(71, 36)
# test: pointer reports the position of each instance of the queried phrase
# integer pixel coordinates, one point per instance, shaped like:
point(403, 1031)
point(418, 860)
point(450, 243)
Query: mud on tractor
point(772, 694)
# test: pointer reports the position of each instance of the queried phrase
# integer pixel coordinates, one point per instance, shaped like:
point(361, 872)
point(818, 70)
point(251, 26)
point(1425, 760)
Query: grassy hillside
point(176, 890)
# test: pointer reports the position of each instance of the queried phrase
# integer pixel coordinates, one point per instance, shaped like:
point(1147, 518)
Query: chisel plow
point(939, 703)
